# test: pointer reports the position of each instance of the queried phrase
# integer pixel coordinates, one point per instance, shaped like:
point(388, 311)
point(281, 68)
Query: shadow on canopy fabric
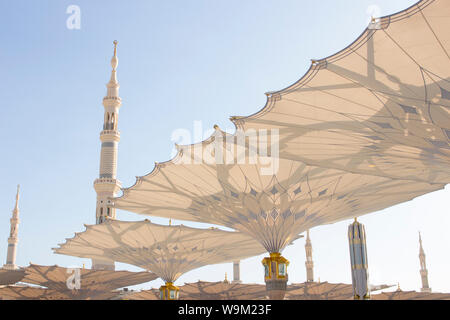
point(209, 291)
point(272, 202)
point(11, 276)
point(379, 107)
point(322, 291)
point(30, 293)
point(168, 251)
point(411, 295)
point(239, 291)
point(94, 284)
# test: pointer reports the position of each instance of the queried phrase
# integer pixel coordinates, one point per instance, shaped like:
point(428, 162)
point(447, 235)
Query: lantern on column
point(275, 275)
point(169, 292)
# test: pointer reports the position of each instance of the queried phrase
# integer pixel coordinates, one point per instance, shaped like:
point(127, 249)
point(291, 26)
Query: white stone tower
point(237, 272)
point(13, 239)
point(423, 268)
point(107, 185)
point(309, 262)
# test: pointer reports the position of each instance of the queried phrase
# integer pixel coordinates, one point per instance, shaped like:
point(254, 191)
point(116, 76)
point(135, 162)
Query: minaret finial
point(115, 42)
point(115, 60)
point(17, 197)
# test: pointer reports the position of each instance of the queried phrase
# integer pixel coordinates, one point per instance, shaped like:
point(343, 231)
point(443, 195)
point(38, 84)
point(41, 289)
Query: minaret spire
point(13, 239)
point(423, 268)
point(16, 208)
point(107, 186)
point(309, 262)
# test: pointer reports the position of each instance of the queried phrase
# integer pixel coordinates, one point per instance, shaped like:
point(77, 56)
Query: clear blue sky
point(179, 61)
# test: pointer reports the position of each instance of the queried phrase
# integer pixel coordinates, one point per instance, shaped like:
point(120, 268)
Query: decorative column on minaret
point(309, 262)
point(358, 259)
point(423, 268)
point(107, 185)
point(13, 239)
point(236, 272)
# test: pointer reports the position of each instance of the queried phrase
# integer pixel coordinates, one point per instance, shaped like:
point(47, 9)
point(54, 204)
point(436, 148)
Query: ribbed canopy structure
point(272, 206)
point(30, 293)
point(168, 251)
point(410, 295)
point(222, 291)
point(92, 282)
point(322, 291)
point(202, 290)
point(11, 276)
point(380, 106)
point(53, 283)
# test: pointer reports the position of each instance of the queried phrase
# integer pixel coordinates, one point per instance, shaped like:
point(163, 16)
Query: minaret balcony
point(110, 135)
point(112, 102)
point(13, 240)
point(107, 185)
point(113, 98)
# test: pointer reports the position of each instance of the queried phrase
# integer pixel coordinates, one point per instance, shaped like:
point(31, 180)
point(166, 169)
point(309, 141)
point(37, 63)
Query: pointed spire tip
point(114, 61)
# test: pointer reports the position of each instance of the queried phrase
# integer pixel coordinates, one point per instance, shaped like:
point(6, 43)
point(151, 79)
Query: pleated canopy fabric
point(168, 251)
point(11, 276)
point(93, 282)
point(30, 293)
point(202, 290)
point(381, 106)
point(323, 291)
point(36, 293)
point(411, 295)
point(272, 206)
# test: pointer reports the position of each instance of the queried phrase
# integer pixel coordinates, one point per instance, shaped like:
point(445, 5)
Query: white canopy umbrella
point(168, 251)
point(380, 106)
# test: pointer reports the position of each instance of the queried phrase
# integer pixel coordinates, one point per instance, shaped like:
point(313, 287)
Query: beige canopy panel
point(381, 106)
point(272, 202)
point(222, 291)
point(152, 294)
point(92, 282)
point(168, 251)
point(209, 291)
point(323, 291)
point(11, 276)
point(238, 291)
point(37, 293)
point(30, 293)
point(411, 295)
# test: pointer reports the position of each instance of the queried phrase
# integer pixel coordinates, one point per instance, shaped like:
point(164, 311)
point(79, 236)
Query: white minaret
point(309, 262)
point(107, 185)
point(423, 268)
point(13, 240)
